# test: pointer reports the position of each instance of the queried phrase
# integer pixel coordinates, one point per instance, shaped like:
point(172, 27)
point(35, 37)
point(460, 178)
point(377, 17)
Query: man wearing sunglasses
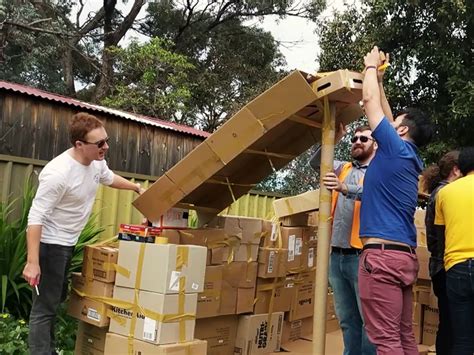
point(60, 210)
point(388, 265)
point(346, 183)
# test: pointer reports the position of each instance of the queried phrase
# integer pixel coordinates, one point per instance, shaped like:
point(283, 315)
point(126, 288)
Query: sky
point(298, 42)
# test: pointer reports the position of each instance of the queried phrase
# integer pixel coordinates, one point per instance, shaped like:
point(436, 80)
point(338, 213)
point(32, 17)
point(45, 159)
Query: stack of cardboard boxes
point(425, 306)
point(151, 308)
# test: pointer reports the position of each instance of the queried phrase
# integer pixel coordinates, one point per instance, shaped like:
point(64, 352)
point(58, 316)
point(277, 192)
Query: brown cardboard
point(296, 220)
point(148, 329)
point(430, 324)
point(292, 238)
point(162, 257)
point(418, 322)
point(241, 252)
point(245, 300)
point(90, 340)
point(209, 300)
point(272, 262)
point(291, 331)
point(98, 261)
point(212, 238)
point(228, 303)
point(420, 218)
point(240, 274)
point(284, 290)
point(172, 235)
point(274, 127)
point(249, 230)
point(313, 218)
point(423, 260)
point(238, 288)
point(88, 310)
point(219, 332)
point(421, 237)
point(259, 334)
point(116, 344)
point(305, 202)
point(302, 305)
point(173, 218)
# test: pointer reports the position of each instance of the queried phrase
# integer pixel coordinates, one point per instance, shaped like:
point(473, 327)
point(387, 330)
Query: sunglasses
point(99, 144)
point(363, 139)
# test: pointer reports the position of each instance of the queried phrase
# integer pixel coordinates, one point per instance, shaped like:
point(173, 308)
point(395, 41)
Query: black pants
point(444, 337)
point(54, 263)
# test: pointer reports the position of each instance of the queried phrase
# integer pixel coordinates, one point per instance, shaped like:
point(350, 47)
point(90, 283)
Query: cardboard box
point(305, 202)
point(292, 238)
point(283, 291)
point(272, 262)
point(259, 334)
point(423, 260)
point(418, 322)
point(291, 331)
point(219, 332)
point(238, 288)
point(430, 324)
point(172, 218)
point(212, 238)
point(420, 216)
point(88, 309)
point(313, 218)
point(98, 261)
point(117, 344)
point(302, 305)
point(421, 237)
point(147, 328)
point(295, 220)
point(209, 300)
point(249, 230)
point(90, 340)
point(167, 258)
point(241, 252)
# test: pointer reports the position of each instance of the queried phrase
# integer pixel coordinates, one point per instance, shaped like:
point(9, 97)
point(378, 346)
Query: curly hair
point(435, 173)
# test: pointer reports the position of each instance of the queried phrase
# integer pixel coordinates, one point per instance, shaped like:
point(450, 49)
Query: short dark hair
point(419, 126)
point(81, 124)
point(466, 160)
point(362, 129)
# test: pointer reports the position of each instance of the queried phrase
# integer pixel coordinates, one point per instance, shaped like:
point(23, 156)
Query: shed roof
point(30, 91)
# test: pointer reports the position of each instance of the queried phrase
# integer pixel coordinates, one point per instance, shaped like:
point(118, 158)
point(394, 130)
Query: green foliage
point(14, 290)
point(151, 80)
point(13, 335)
point(430, 43)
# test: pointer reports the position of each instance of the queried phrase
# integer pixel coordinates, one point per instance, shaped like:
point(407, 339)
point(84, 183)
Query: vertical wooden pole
point(324, 230)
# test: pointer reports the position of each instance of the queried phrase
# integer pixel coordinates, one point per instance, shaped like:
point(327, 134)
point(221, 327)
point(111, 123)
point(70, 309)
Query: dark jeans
point(54, 264)
point(460, 288)
point(343, 270)
point(444, 336)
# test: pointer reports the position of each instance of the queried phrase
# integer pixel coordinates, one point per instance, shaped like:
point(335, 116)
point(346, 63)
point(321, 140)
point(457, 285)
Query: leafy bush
point(13, 335)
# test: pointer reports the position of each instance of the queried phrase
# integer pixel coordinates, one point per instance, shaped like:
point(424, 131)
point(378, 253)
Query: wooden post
point(324, 230)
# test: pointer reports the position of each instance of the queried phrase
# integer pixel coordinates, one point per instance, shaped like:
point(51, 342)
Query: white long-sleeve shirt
point(65, 196)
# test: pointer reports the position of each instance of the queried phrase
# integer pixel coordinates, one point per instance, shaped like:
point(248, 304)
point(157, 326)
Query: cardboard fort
point(265, 135)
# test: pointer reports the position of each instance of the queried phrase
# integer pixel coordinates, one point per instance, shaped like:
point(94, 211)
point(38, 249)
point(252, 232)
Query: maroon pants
point(385, 288)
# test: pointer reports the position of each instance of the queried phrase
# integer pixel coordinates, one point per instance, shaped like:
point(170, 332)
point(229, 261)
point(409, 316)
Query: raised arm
point(383, 99)
point(370, 89)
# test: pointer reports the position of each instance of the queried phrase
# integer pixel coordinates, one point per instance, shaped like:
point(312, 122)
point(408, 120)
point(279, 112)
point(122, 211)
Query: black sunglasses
point(99, 144)
point(363, 139)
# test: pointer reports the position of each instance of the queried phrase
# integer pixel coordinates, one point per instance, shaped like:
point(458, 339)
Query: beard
point(359, 153)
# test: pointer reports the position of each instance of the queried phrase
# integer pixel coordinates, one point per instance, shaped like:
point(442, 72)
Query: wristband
point(370, 67)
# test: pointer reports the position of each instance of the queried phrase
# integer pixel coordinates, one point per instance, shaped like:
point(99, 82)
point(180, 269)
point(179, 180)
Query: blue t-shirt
point(391, 188)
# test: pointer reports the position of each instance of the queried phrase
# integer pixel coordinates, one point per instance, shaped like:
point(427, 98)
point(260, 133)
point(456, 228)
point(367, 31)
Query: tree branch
point(127, 22)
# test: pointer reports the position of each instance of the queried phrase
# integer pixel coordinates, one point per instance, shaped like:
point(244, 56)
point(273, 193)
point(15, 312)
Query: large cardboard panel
point(166, 258)
point(158, 198)
point(259, 334)
point(117, 344)
point(305, 202)
point(291, 124)
point(200, 164)
point(147, 328)
point(219, 332)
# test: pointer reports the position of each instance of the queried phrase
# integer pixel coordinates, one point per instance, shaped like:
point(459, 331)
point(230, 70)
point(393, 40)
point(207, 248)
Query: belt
point(346, 251)
point(405, 248)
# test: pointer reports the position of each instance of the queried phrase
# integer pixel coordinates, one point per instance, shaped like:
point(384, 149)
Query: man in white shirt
point(60, 210)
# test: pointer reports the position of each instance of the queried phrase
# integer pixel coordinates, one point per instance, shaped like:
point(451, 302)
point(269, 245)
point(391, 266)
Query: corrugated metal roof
point(28, 90)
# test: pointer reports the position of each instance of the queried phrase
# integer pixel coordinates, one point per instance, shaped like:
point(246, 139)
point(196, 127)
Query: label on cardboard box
point(271, 261)
point(174, 281)
point(299, 246)
point(93, 314)
point(274, 235)
point(291, 247)
point(149, 327)
point(310, 257)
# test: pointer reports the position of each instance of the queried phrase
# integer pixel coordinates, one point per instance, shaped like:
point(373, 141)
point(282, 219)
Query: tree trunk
point(68, 72)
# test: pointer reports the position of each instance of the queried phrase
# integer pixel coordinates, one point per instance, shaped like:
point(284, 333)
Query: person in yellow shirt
point(454, 222)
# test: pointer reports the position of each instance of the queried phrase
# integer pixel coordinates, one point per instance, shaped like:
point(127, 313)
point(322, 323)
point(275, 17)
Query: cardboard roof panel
point(266, 134)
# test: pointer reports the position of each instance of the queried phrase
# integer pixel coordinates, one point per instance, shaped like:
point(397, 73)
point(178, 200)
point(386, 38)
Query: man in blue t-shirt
point(388, 266)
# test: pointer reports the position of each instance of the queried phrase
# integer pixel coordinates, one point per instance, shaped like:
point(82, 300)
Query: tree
point(150, 80)
point(431, 46)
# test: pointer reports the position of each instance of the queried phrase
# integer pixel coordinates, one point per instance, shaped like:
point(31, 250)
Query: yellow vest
point(355, 239)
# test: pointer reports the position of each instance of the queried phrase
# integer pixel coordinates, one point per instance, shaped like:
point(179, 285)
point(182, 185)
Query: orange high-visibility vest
point(355, 239)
